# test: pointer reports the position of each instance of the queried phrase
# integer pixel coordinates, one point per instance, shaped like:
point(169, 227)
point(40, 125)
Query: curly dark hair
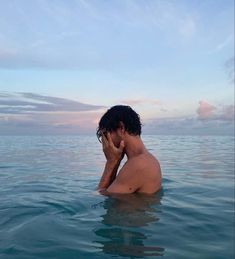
point(110, 121)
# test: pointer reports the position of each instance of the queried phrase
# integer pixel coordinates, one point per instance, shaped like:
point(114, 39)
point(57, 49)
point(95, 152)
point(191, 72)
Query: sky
point(64, 63)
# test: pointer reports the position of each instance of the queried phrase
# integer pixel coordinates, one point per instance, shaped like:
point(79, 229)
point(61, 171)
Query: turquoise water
point(49, 207)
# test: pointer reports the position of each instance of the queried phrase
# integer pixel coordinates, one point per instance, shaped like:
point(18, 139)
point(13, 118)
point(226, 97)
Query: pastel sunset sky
point(63, 63)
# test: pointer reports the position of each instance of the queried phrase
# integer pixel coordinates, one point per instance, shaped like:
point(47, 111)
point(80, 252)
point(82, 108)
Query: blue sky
point(172, 61)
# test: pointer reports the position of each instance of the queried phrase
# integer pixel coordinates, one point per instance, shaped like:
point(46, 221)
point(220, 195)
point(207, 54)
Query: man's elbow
point(103, 191)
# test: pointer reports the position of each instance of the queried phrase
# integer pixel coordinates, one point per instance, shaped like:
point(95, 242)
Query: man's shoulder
point(141, 172)
point(143, 159)
point(140, 162)
point(136, 162)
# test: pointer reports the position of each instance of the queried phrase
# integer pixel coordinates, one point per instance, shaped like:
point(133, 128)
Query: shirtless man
point(119, 132)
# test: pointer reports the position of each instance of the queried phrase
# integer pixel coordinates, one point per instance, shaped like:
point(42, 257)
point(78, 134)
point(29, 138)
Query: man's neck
point(134, 146)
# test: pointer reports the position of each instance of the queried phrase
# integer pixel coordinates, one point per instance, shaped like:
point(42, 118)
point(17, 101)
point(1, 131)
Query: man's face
point(115, 138)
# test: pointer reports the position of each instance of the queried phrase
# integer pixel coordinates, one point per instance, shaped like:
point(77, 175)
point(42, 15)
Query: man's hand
point(112, 153)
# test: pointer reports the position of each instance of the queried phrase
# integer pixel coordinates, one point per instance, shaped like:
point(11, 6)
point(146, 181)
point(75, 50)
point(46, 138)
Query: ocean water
point(49, 207)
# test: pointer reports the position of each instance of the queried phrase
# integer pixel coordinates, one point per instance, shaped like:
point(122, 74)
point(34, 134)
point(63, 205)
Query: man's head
point(119, 120)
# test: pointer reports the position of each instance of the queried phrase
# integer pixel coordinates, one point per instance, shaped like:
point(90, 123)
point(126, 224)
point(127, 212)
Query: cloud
point(53, 123)
point(224, 43)
point(229, 68)
point(7, 53)
point(30, 113)
point(227, 113)
point(207, 111)
point(210, 120)
point(25, 103)
point(61, 35)
point(142, 101)
point(188, 126)
point(187, 27)
point(18, 58)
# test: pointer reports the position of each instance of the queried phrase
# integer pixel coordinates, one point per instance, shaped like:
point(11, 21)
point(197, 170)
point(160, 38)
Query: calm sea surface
point(49, 207)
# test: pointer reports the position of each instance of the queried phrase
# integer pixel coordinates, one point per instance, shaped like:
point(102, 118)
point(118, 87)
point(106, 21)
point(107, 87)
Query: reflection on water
point(122, 230)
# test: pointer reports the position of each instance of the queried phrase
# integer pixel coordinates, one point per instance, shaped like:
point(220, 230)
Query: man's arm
point(114, 156)
point(128, 179)
point(109, 174)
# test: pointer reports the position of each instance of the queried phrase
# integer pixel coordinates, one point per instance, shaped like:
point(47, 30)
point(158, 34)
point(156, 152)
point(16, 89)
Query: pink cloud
point(51, 122)
point(84, 120)
point(205, 110)
point(208, 111)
